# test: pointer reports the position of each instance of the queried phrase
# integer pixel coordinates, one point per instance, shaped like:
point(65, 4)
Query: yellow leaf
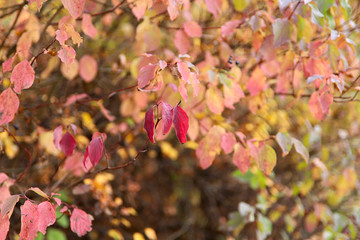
point(150, 233)
point(88, 122)
point(138, 236)
point(115, 234)
point(169, 151)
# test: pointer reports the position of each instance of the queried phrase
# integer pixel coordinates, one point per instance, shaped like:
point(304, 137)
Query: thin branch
point(99, 13)
point(13, 25)
point(18, 179)
point(43, 51)
point(296, 6)
point(48, 23)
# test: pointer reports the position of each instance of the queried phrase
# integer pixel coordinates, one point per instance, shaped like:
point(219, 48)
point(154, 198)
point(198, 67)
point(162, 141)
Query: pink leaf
point(229, 27)
point(67, 144)
point(149, 125)
point(184, 71)
point(162, 64)
point(205, 155)
point(183, 91)
point(75, 97)
point(23, 76)
point(257, 82)
point(9, 104)
point(146, 74)
point(241, 158)
point(94, 151)
point(67, 55)
point(74, 164)
point(88, 68)
point(214, 6)
point(74, 128)
point(140, 8)
point(181, 123)
point(182, 42)
point(47, 216)
point(7, 65)
point(4, 226)
point(195, 83)
point(62, 36)
point(167, 116)
point(173, 9)
point(319, 104)
point(227, 142)
point(80, 222)
point(29, 220)
point(193, 29)
point(75, 7)
point(106, 112)
point(87, 26)
point(58, 133)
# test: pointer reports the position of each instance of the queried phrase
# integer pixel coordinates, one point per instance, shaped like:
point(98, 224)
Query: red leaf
point(167, 116)
point(80, 222)
point(184, 71)
point(181, 123)
point(182, 42)
point(241, 158)
point(9, 104)
point(75, 7)
point(146, 74)
point(149, 125)
point(4, 226)
point(94, 151)
point(87, 26)
point(47, 216)
point(229, 27)
point(23, 76)
point(192, 29)
point(29, 220)
point(67, 144)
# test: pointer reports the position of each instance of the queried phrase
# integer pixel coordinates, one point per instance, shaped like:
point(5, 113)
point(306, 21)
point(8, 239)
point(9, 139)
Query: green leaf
point(55, 234)
point(301, 149)
point(346, 9)
point(62, 220)
point(324, 5)
point(264, 227)
point(267, 159)
point(225, 80)
point(285, 143)
point(282, 31)
point(240, 5)
point(316, 16)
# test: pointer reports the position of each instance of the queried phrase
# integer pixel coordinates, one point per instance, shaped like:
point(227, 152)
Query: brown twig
point(296, 6)
point(13, 25)
point(18, 179)
point(42, 52)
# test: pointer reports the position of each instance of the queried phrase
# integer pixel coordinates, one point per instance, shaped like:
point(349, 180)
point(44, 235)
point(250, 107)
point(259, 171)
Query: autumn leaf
point(80, 222)
point(22, 76)
point(181, 123)
point(9, 105)
point(166, 117)
point(149, 124)
point(75, 7)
